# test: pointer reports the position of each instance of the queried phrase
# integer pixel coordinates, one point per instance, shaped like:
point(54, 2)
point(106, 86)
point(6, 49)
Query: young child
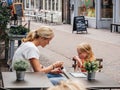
point(85, 53)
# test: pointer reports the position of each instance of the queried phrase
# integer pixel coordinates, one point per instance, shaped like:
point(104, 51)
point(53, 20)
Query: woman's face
point(45, 41)
point(82, 55)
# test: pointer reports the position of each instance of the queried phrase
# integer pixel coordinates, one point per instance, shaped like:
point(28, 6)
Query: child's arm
point(79, 62)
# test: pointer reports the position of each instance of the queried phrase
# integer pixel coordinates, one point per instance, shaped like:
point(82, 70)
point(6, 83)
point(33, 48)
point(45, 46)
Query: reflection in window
point(106, 9)
point(87, 8)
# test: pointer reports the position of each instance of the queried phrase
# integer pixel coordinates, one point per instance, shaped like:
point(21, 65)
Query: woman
point(29, 51)
point(85, 53)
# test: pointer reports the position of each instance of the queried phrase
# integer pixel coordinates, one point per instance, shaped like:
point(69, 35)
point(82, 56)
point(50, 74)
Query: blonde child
point(85, 53)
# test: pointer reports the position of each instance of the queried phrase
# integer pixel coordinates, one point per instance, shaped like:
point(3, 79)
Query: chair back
point(99, 60)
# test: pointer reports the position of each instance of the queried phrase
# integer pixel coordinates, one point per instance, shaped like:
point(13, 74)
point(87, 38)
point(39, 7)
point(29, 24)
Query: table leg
point(116, 28)
point(51, 18)
point(111, 27)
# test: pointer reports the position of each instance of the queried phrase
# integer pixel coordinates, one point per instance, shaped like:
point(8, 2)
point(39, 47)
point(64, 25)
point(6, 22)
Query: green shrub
point(18, 30)
point(21, 65)
point(91, 66)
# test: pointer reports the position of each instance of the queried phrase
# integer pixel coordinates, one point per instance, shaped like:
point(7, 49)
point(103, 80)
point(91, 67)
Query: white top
point(26, 51)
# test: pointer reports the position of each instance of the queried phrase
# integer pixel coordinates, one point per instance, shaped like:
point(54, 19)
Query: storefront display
point(87, 8)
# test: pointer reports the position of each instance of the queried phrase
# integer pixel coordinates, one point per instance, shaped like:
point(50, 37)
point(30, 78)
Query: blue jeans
point(55, 78)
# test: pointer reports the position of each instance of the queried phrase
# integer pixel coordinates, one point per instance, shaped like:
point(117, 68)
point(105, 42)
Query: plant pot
point(91, 75)
point(20, 75)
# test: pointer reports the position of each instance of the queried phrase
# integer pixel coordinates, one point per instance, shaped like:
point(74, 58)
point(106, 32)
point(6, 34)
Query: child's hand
point(78, 60)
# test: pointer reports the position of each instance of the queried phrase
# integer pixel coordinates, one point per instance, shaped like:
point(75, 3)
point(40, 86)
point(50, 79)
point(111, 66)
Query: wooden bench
point(116, 25)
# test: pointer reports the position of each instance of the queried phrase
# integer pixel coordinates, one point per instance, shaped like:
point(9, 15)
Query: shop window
point(87, 8)
point(106, 9)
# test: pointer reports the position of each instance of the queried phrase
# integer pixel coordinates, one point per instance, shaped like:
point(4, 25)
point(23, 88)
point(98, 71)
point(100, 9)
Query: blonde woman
point(85, 53)
point(29, 51)
point(68, 85)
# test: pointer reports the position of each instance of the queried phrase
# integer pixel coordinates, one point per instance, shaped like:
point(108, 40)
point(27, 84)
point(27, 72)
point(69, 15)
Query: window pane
point(45, 4)
point(37, 3)
point(106, 9)
point(27, 3)
point(49, 4)
point(87, 8)
point(56, 5)
point(41, 5)
point(32, 3)
point(53, 4)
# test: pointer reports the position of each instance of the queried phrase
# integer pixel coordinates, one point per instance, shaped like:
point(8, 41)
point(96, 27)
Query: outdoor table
point(102, 81)
point(32, 80)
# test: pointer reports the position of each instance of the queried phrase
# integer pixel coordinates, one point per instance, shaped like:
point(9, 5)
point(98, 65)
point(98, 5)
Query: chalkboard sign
point(18, 9)
point(79, 24)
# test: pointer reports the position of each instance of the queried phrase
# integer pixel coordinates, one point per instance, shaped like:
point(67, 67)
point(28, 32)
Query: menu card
point(78, 74)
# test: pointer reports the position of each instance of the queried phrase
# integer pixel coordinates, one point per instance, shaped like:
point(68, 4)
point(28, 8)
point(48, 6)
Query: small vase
point(20, 75)
point(91, 76)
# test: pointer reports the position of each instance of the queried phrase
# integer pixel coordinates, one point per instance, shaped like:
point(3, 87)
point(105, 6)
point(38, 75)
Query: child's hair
point(85, 47)
point(68, 85)
point(44, 32)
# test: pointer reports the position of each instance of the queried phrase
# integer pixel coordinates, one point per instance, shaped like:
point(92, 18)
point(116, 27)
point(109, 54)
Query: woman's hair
point(85, 47)
point(44, 32)
point(68, 85)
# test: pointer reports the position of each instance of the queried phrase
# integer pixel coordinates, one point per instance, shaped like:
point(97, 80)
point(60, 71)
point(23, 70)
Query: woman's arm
point(37, 67)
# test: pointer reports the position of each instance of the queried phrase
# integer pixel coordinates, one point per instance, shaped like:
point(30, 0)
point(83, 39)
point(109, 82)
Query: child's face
point(82, 55)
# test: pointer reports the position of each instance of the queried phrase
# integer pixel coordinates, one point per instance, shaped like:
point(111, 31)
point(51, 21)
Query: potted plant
point(20, 66)
point(18, 30)
point(91, 67)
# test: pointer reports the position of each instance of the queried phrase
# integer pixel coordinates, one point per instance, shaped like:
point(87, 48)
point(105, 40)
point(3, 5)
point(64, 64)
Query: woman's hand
point(57, 71)
point(58, 64)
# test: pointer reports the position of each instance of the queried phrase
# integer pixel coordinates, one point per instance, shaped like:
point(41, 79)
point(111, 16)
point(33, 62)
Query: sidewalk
point(96, 34)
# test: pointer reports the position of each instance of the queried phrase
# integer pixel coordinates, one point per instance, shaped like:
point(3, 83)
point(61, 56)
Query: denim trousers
point(55, 78)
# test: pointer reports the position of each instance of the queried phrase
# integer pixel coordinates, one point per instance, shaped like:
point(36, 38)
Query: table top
point(32, 80)
point(102, 81)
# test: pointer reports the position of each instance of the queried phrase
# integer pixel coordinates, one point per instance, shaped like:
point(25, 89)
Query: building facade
point(99, 13)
